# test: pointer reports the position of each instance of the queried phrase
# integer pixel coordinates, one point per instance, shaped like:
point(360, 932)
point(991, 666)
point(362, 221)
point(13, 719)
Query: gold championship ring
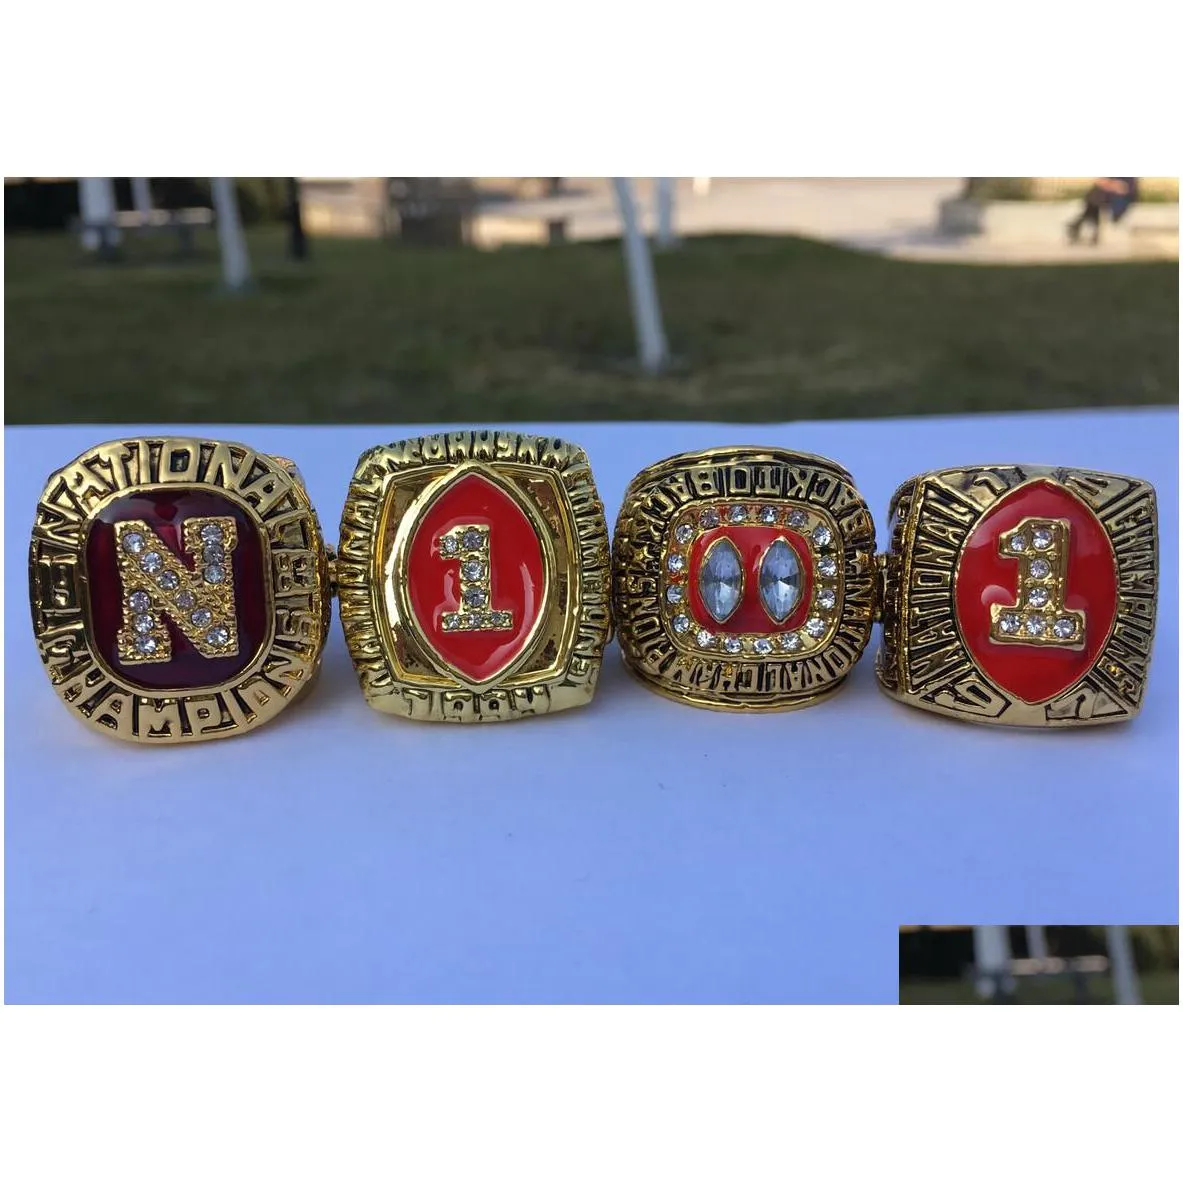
point(744, 578)
point(1022, 595)
point(179, 588)
point(473, 576)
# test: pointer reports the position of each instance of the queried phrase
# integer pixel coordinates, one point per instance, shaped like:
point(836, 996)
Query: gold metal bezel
point(294, 562)
point(920, 579)
point(400, 672)
point(658, 499)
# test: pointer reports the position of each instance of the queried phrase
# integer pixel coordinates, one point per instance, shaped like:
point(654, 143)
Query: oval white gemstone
point(1010, 623)
point(217, 636)
point(738, 513)
point(815, 626)
point(684, 533)
point(790, 641)
point(1018, 544)
point(681, 623)
point(710, 517)
point(674, 593)
point(151, 562)
point(720, 580)
point(1063, 627)
point(1040, 568)
point(1042, 538)
point(1037, 597)
point(828, 565)
point(705, 638)
point(140, 601)
point(780, 580)
point(146, 644)
point(1036, 625)
point(822, 535)
point(797, 518)
point(768, 515)
point(211, 533)
point(826, 598)
point(167, 580)
point(145, 623)
point(733, 645)
point(214, 574)
point(133, 543)
point(762, 645)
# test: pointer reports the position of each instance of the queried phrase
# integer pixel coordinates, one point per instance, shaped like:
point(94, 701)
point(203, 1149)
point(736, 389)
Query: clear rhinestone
point(185, 599)
point(1041, 539)
point(214, 574)
point(681, 623)
point(790, 641)
point(214, 554)
point(822, 535)
point(167, 580)
point(139, 601)
point(684, 533)
point(1040, 568)
point(1010, 623)
point(201, 617)
point(675, 563)
point(815, 626)
point(151, 562)
point(737, 513)
point(798, 518)
point(705, 638)
point(474, 597)
point(211, 533)
point(1036, 625)
point(780, 580)
point(145, 644)
point(1037, 597)
point(710, 517)
point(133, 542)
point(218, 635)
point(472, 569)
point(674, 593)
point(448, 545)
point(1018, 543)
point(473, 539)
point(762, 645)
point(720, 580)
point(828, 566)
point(733, 645)
point(826, 598)
point(145, 623)
point(467, 620)
point(768, 515)
point(1063, 627)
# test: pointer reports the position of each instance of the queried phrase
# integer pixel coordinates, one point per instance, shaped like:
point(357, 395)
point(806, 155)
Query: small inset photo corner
point(949, 964)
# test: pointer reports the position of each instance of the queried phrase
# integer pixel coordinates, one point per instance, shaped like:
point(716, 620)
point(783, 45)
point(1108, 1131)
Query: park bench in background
point(181, 222)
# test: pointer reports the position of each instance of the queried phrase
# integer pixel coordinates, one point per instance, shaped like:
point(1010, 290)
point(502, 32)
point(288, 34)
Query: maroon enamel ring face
point(1021, 595)
point(179, 588)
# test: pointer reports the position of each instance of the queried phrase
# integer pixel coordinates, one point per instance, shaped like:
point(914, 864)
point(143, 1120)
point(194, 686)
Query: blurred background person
point(1115, 194)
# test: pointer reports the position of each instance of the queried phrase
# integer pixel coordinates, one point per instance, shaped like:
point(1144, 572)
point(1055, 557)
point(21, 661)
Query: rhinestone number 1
point(470, 546)
point(1040, 546)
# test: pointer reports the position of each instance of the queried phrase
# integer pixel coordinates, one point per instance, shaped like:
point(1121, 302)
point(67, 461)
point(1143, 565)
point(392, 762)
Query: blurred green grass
point(1158, 986)
point(762, 329)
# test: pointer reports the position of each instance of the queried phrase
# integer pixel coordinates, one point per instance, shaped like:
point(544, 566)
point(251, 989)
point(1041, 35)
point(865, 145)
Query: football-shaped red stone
point(166, 512)
point(517, 577)
point(1036, 673)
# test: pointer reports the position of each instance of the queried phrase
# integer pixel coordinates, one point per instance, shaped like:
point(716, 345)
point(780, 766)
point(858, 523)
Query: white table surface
point(634, 851)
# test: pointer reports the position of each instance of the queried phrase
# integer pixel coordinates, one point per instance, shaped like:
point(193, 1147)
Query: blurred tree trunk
point(297, 239)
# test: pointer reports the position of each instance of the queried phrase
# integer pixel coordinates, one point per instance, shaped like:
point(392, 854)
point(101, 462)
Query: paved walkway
point(887, 216)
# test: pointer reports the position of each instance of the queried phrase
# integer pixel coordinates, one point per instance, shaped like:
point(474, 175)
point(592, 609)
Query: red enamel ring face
point(1020, 595)
point(1036, 591)
point(752, 578)
point(744, 578)
point(475, 575)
